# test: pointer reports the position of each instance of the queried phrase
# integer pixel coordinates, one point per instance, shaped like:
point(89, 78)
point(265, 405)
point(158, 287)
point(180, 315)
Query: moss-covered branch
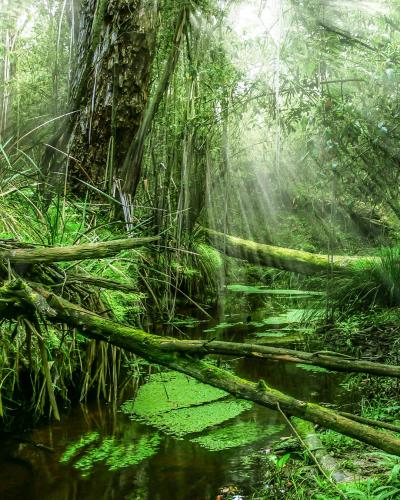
point(330, 361)
point(283, 258)
point(75, 252)
point(318, 452)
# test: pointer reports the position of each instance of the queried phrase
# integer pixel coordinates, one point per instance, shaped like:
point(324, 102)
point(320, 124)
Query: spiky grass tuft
point(369, 284)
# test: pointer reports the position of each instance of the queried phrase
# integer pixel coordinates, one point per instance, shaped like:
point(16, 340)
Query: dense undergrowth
point(161, 277)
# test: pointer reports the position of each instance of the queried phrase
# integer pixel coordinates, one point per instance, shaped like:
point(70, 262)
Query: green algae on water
point(195, 419)
point(178, 405)
point(73, 449)
point(168, 391)
point(241, 434)
point(113, 453)
point(272, 333)
point(312, 368)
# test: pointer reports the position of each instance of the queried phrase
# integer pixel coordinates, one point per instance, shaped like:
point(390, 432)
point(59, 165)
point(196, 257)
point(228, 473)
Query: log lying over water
point(20, 290)
point(325, 359)
point(283, 258)
point(149, 347)
point(74, 252)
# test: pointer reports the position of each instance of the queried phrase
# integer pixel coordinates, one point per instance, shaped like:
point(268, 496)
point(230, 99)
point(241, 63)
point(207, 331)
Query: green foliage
point(369, 284)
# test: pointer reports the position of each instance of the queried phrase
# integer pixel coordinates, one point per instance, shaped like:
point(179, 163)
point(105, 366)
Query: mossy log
point(317, 450)
point(74, 252)
point(338, 362)
point(149, 347)
point(286, 259)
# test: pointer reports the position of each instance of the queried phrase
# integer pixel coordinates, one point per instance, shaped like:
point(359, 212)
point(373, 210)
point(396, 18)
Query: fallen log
point(20, 290)
point(318, 452)
point(340, 362)
point(286, 259)
point(74, 252)
point(325, 359)
point(148, 347)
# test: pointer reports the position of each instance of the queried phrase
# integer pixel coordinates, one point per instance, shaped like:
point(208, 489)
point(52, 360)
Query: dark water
point(180, 470)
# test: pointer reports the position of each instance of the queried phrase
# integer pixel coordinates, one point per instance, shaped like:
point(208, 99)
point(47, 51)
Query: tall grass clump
point(368, 284)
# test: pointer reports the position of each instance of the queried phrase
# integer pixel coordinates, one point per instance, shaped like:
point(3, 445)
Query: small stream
point(181, 468)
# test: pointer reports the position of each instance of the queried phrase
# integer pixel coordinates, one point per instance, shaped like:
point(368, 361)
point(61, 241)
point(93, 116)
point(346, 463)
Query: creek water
point(181, 469)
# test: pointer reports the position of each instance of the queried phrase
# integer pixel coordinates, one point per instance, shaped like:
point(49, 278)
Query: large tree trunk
point(109, 87)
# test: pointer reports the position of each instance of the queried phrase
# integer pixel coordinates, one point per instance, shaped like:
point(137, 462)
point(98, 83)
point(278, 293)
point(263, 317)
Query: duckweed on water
point(94, 455)
point(179, 405)
point(170, 390)
point(73, 449)
point(116, 455)
point(272, 333)
point(312, 368)
point(240, 434)
point(132, 454)
point(178, 423)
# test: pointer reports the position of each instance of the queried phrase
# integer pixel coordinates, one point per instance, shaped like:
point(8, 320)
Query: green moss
point(303, 427)
point(240, 434)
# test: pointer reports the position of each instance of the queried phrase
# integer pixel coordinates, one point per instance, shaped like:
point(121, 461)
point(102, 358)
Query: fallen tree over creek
point(42, 304)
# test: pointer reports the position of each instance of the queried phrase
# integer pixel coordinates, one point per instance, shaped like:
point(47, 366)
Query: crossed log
point(186, 355)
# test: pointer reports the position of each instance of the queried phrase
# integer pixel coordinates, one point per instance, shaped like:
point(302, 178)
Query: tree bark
point(132, 166)
point(110, 86)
